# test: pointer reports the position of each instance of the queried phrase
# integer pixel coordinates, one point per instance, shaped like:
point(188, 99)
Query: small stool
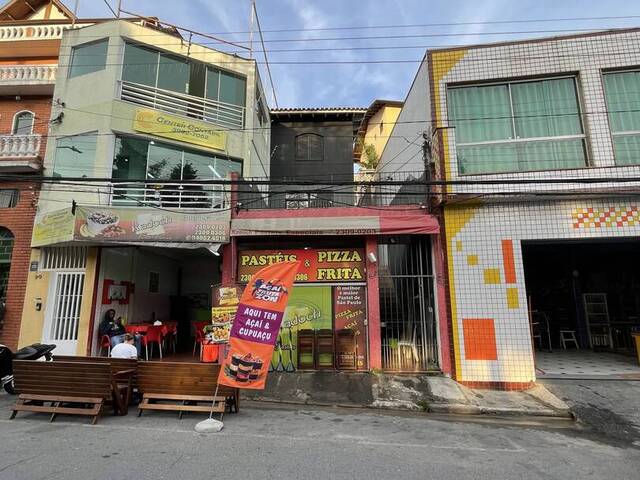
point(568, 336)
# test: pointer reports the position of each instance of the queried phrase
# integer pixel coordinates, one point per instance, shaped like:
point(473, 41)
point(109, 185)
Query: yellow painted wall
point(379, 128)
point(33, 320)
point(38, 287)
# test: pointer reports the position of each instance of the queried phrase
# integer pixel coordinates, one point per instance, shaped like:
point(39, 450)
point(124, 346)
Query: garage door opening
point(584, 303)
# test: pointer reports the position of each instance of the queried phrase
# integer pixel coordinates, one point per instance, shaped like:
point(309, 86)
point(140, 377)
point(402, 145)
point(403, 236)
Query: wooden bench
point(84, 385)
point(183, 387)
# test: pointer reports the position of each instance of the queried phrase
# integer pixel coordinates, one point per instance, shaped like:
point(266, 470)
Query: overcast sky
point(357, 84)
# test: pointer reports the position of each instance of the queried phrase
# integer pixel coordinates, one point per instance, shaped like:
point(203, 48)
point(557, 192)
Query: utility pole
point(427, 142)
point(252, 7)
point(119, 8)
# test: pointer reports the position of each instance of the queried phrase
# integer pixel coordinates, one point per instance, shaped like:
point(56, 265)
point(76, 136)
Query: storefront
point(325, 325)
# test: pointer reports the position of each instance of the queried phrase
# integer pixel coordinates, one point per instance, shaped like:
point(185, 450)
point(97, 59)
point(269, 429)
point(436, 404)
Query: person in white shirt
point(126, 349)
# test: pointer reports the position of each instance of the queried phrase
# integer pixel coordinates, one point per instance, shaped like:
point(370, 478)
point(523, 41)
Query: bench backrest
point(180, 378)
point(81, 379)
point(116, 364)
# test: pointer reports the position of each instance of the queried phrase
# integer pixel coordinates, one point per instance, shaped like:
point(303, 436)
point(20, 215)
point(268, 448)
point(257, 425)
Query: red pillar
point(373, 305)
point(441, 299)
point(229, 262)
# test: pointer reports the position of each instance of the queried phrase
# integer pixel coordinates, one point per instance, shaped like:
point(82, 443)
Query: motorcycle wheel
point(8, 387)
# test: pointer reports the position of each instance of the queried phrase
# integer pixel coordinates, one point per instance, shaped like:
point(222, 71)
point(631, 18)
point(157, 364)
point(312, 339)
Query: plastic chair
point(105, 343)
point(154, 335)
point(170, 334)
point(198, 341)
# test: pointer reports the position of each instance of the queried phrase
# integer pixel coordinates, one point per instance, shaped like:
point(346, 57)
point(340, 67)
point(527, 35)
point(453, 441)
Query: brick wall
point(19, 220)
point(40, 106)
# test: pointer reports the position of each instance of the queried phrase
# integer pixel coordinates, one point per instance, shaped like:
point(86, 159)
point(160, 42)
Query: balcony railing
point(13, 33)
point(19, 146)
point(220, 113)
point(405, 188)
point(19, 74)
point(190, 196)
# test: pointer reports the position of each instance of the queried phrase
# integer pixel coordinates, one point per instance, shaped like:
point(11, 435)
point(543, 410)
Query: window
point(6, 249)
point(88, 58)
point(23, 123)
point(139, 159)
point(309, 147)
point(75, 156)
point(517, 126)
point(622, 91)
point(154, 282)
point(9, 198)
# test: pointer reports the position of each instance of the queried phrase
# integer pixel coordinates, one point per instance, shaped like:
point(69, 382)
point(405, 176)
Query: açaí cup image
point(257, 367)
point(98, 221)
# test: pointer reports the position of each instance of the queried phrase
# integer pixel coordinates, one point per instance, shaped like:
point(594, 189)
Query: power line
point(264, 51)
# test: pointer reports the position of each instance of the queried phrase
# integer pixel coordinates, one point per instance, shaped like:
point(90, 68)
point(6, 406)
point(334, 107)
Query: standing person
point(126, 348)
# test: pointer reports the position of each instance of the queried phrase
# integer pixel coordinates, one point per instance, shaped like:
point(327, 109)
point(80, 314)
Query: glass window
point(75, 156)
point(164, 161)
point(622, 90)
point(23, 123)
point(140, 65)
point(213, 83)
point(232, 89)
point(6, 249)
point(9, 198)
point(309, 147)
point(88, 58)
point(130, 161)
point(518, 126)
point(173, 74)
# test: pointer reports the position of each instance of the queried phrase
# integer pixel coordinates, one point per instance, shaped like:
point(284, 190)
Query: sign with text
point(132, 224)
point(177, 128)
point(53, 227)
point(316, 265)
point(256, 326)
point(350, 311)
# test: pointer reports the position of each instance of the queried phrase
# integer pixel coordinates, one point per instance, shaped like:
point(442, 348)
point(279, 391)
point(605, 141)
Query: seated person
point(113, 328)
point(125, 349)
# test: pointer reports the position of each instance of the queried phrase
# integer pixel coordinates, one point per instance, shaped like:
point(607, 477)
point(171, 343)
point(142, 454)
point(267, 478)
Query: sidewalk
point(411, 392)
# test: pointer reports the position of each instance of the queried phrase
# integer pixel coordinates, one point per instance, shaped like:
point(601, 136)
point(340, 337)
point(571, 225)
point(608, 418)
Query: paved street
point(278, 442)
point(610, 408)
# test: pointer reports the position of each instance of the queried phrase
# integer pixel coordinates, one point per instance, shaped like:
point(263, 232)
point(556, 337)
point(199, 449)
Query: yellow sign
point(53, 227)
point(176, 128)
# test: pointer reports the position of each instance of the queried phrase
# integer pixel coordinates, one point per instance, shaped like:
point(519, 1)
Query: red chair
point(198, 341)
point(154, 335)
point(170, 334)
point(105, 343)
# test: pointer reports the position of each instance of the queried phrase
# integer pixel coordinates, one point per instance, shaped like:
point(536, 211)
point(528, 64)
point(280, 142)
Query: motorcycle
point(32, 352)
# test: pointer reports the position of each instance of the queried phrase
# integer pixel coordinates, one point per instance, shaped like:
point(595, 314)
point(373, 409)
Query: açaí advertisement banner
point(256, 326)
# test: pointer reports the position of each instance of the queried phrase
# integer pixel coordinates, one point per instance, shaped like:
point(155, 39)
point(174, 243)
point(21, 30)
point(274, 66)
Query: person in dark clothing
point(112, 327)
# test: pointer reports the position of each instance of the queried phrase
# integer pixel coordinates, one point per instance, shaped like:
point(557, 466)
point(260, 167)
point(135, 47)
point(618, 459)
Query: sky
point(365, 72)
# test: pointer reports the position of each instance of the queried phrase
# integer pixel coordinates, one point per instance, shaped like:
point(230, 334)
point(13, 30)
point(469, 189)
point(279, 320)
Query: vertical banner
point(256, 326)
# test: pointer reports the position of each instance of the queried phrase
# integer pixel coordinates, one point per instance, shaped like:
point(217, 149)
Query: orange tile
point(479, 339)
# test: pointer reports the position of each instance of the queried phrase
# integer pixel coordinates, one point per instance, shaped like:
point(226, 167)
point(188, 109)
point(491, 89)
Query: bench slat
point(200, 398)
point(219, 408)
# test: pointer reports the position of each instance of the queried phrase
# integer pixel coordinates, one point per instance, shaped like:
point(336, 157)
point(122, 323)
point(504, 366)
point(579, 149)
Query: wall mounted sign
point(177, 128)
point(316, 265)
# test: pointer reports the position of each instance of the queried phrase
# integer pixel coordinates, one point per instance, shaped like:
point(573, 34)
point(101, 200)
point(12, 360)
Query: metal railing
point(13, 74)
point(19, 145)
point(12, 33)
point(220, 113)
point(294, 196)
point(193, 196)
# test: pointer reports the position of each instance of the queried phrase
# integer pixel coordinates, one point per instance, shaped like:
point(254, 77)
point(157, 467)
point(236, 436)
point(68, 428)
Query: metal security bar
point(220, 113)
point(409, 333)
point(64, 258)
point(68, 300)
point(170, 195)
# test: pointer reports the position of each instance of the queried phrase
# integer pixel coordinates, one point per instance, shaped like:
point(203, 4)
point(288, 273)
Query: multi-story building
point(30, 34)
point(365, 296)
point(539, 139)
point(147, 128)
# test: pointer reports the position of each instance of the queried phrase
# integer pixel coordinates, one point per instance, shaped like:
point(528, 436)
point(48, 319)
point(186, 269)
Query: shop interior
point(152, 284)
point(584, 302)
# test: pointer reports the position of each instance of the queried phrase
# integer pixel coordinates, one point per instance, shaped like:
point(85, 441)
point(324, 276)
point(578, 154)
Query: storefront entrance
point(325, 323)
point(584, 300)
point(150, 284)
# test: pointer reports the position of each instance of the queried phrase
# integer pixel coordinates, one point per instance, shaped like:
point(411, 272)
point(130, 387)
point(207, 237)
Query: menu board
point(350, 312)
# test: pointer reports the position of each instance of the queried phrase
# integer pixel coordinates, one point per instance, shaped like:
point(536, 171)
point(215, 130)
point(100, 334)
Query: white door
point(63, 312)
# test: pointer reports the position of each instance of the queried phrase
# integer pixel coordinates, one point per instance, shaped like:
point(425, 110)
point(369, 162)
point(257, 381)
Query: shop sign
point(177, 128)
point(350, 312)
point(316, 265)
point(256, 326)
point(131, 224)
point(53, 227)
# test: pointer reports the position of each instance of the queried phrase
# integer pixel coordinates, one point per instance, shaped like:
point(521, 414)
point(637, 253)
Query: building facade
point(529, 243)
point(29, 42)
point(148, 129)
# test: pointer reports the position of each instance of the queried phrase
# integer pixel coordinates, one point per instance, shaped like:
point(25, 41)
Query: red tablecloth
point(210, 352)
point(133, 329)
